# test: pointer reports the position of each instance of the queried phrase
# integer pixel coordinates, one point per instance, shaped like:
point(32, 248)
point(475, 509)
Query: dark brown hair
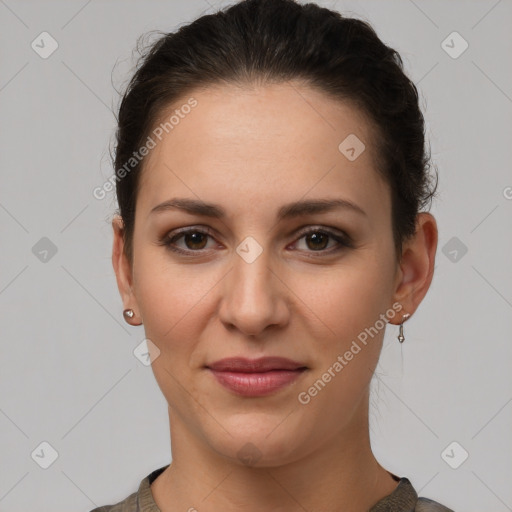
point(272, 41)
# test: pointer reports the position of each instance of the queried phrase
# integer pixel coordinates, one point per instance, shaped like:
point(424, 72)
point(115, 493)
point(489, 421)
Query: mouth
point(256, 377)
point(263, 364)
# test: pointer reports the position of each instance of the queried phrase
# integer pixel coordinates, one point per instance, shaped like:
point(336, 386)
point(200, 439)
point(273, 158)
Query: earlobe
point(417, 265)
point(129, 315)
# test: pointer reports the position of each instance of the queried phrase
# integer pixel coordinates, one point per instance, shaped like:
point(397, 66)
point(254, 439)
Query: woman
point(272, 178)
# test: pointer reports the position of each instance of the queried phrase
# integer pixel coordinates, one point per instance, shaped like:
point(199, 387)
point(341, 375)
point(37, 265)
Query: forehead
point(261, 144)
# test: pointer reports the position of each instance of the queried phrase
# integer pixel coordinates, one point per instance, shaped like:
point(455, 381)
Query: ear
point(122, 267)
point(417, 266)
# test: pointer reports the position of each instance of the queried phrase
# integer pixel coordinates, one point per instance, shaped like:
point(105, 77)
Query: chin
point(256, 442)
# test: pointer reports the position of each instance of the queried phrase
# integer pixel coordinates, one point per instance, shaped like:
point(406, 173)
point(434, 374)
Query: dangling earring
point(401, 336)
point(128, 315)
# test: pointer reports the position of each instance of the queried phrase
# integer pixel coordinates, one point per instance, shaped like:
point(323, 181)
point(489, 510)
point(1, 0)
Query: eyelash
point(344, 241)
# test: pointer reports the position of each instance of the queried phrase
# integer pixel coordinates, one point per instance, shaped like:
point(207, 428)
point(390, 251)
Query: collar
point(402, 499)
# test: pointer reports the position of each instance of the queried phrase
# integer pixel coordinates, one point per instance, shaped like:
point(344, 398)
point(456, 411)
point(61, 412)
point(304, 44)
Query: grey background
point(68, 375)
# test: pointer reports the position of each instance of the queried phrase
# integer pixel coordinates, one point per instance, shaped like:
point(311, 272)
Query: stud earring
point(401, 337)
point(128, 315)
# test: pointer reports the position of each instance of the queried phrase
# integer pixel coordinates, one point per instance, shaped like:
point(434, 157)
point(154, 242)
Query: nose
point(255, 296)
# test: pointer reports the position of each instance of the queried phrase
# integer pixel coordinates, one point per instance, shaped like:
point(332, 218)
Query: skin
point(252, 150)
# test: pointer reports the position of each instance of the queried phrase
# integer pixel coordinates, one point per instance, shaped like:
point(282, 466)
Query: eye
point(196, 240)
point(317, 240)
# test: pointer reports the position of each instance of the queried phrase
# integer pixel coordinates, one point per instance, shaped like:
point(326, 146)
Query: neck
point(341, 474)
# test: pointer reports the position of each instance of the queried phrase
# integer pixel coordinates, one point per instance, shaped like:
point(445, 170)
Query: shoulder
point(428, 505)
point(141, 500)
point(129, 504)
point(404, 498)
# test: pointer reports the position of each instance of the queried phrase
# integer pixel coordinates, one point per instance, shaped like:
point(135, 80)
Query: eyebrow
point(287, 211)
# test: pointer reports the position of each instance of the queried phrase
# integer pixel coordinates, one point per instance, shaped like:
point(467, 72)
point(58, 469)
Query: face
point(309, 286)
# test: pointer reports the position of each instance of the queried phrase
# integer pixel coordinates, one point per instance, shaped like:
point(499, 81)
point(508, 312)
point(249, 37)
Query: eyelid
point(334, 232)
point(177, 233)
point(342, 238)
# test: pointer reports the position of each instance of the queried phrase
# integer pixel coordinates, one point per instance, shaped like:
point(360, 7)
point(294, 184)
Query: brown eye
point(318, 240)
point(195, 240)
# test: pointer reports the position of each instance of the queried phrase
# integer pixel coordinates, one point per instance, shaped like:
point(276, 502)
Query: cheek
point(346, 353)
point(169, 295)
point(346, 299)
point(172, 300)
point(177, 305)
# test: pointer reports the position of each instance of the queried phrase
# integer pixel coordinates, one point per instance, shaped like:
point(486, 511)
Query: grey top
point(403, 499)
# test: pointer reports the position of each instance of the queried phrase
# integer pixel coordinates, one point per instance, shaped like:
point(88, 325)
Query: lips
point(263, 364)
point(256, 377)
